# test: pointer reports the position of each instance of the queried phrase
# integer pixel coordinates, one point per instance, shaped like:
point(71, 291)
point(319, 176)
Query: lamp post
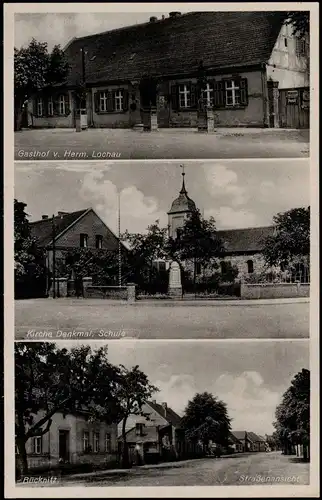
point(119, 241)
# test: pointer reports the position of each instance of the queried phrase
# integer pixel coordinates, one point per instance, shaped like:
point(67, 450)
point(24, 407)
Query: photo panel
point(154, 413)
point(162, 250)
point(224, 83)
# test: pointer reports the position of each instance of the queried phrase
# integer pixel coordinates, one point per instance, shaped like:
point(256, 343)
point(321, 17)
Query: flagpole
point(54, 256)
point(119, 240)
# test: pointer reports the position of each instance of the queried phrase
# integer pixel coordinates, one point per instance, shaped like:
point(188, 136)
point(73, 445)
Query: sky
point(249, 376)
point(237, 194)
point(61, 28)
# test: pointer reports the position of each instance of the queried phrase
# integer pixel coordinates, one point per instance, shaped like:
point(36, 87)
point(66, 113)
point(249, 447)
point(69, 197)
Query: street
point(244, 469)
point(152, 319)
point(124, 144)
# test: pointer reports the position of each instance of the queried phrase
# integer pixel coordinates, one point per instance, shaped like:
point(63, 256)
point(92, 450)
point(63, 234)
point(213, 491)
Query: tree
point(36, 69)
point(198, 242)
point(133, 391)
point(293, 414)
point(291, 241)
point(300, 21)
point(144, 249)
point(101, 264)
point(50, 380)
point(206, 419)
point(29, 259)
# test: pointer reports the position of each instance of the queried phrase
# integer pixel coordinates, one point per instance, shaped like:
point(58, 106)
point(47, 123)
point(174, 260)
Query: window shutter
point(34, 105)
point(67, 105)
point(110, 101)
point(243, 92)
point(55, 105)
point(125, 100)
point(97, 102)
point(174, 98)
point(193, 95)
point(219, 94)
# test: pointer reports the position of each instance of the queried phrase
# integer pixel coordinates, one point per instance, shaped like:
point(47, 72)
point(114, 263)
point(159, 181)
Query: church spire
point(183, 188)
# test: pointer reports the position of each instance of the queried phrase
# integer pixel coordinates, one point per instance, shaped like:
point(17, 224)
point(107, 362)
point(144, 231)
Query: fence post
point(131, 292)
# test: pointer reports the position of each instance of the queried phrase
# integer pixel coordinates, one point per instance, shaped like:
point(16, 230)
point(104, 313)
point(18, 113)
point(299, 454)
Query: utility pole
point(54, 257)
point(119, 242)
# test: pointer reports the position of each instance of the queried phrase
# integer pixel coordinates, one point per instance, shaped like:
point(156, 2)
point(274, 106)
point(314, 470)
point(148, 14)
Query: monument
point(175, 287)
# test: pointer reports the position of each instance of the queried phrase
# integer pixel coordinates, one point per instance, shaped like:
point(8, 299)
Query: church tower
point(181, 207)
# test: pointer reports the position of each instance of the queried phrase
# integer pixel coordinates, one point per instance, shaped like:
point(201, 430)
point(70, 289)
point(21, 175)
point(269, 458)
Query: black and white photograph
point(162, 250)
point(160, 414)
point(162, 85)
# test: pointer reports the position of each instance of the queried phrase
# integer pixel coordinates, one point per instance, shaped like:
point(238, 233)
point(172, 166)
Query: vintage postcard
point(161, 250)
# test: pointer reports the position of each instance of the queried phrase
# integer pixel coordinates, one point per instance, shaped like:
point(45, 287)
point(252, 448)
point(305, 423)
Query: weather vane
point(182, 166)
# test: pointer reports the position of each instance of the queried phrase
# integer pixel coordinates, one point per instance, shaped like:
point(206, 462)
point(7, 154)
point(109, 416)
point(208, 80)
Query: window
point(301, 47)
point(184, 96)
point(285, 42)
point(208, 94)
point(62, 104)
point(223, 267)
point(162, 266)
point(83, 240)
point(99, 241)
point(107, 443)
point(109, 101)
point(118, 100)
point(85, 441)
point(50, 106)
point(139, 429)
point(232, 93)
point(250, 266)
point(96, 442)
point(103, 101)
point(40, 107)
point(198, 268)
point(37, 445)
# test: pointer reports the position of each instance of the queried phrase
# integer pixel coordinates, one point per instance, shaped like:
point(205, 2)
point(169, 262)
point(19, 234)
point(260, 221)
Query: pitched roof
point(176, 45)
point(255, 437)
point(250, 239)
point(43, 229)
point(169, 415)
point(239, 434)
point(233, 438)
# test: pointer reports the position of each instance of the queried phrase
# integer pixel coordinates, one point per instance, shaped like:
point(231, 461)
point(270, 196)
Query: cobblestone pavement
point(100, 144)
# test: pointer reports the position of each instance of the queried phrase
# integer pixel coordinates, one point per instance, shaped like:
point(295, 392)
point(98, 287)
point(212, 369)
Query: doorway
point(63, 446)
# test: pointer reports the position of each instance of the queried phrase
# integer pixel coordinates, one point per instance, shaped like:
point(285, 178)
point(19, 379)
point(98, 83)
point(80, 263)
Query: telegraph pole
point(119, 242)
point(54, 257)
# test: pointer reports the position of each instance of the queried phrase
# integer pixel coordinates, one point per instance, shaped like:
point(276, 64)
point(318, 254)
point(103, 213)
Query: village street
point(153, 319)
point(123, 144)
point(240, 469)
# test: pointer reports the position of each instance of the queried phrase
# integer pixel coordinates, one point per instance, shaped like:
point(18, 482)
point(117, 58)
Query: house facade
point(250, 441)
point(247, 58)
point(69, 231)
point(158, 437)
point(72, 439)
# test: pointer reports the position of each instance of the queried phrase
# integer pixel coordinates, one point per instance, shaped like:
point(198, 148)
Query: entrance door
point(294, 108)
point(64, 445)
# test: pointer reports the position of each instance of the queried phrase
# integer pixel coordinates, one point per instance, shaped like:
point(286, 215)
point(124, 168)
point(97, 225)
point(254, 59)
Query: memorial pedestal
point(175, 287)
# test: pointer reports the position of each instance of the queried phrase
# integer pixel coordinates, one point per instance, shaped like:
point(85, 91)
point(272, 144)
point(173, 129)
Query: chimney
point(174, 14)
point(164, 406)
point(154, 401)
point(153, 19)
point(44, 217)
point(163, 17)
point(61, 214)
